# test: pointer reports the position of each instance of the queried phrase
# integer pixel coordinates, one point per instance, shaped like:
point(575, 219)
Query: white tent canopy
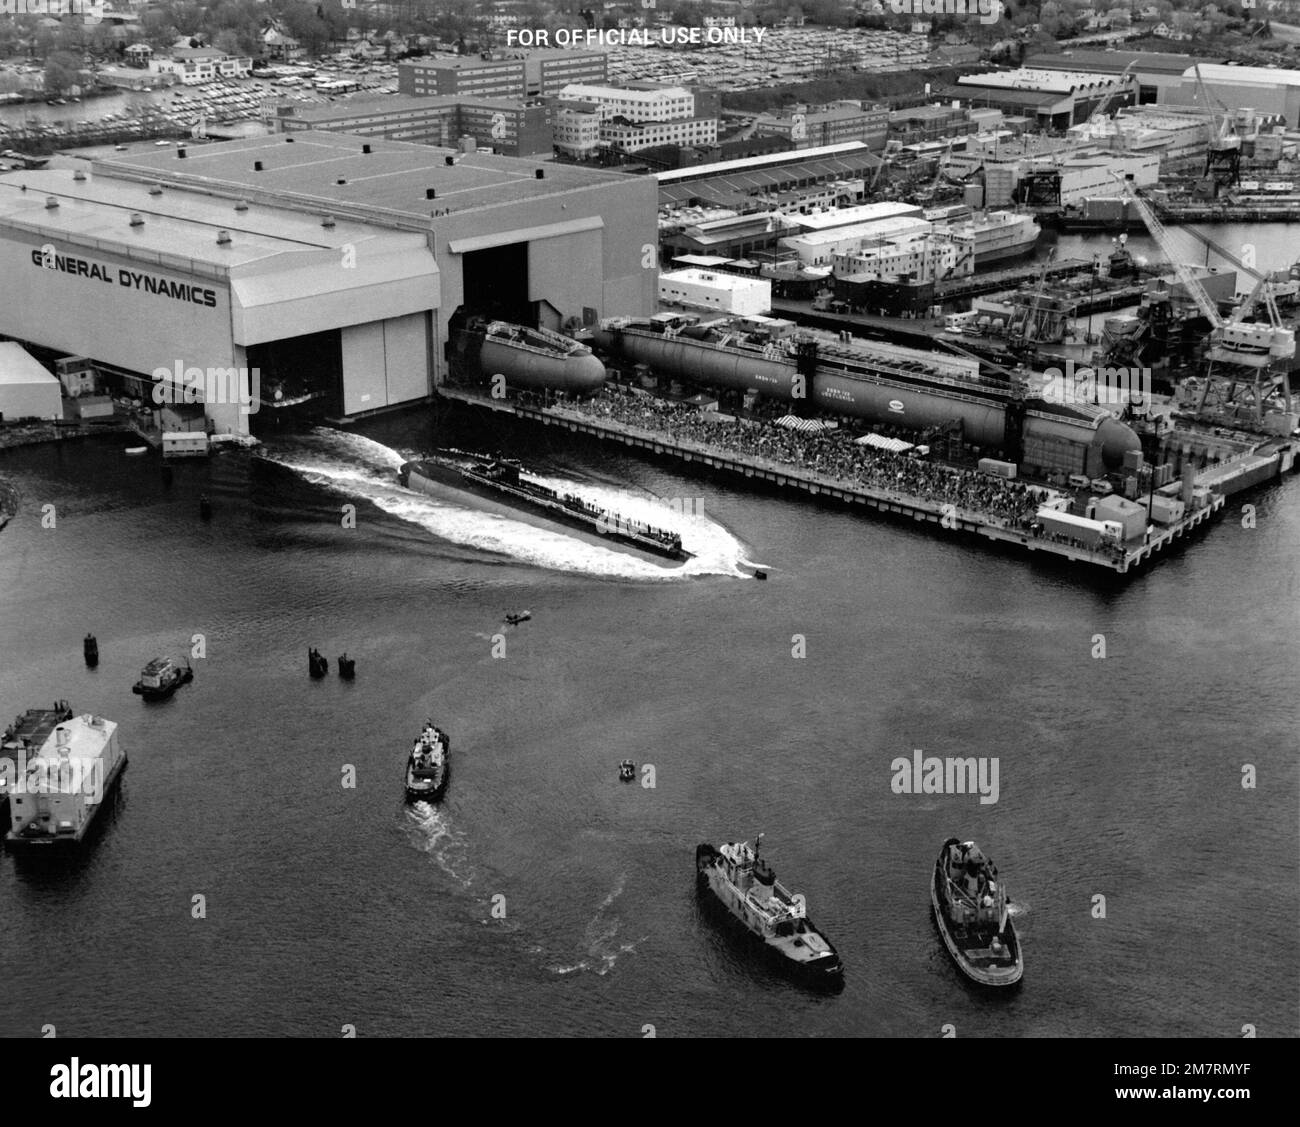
point(808, 426)
point(880, 442)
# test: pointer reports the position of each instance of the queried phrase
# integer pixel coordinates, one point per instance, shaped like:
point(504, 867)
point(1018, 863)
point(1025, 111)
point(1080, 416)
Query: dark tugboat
point(627, 770)
point(317, 664)
point(428, 768)
point(90, 649)
point(505, 481)
point(972, 911)
point(347, 667)
point(162, 677)
point(734, 877)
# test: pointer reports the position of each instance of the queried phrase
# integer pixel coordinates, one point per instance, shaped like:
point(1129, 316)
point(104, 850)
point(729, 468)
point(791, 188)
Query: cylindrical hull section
point(577, 374)
point(894, 402)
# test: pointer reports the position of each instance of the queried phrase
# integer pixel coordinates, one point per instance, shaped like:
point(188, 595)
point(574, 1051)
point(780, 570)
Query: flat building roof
point(332, 170)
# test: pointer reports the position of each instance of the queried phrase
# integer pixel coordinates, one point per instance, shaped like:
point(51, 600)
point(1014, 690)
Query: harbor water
point(259, 872)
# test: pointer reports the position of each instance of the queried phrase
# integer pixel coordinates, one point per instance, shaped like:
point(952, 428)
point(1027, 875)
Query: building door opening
point(496, 284)
point(299, 376)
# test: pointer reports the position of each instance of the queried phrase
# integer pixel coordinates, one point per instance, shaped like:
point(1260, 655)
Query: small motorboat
point(347, 667)
point(516, 619)
point(317, 663)
point(627, 770)
point(136, 451)
point(162, 677)
point(972, 910)
point(760, 575)
point(90, 649)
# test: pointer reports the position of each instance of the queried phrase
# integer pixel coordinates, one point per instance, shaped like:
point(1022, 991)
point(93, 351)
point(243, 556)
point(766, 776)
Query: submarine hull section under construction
point(1072, 438)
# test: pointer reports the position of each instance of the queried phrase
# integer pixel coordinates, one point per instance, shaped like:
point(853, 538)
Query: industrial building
point(806, 127)
point(514, 74)
point(27, 390)
point(819, 248)
point(317, 264)
point(762, 179)
point(1054, 99)
point(1158, 75)
point(728, 293)
point(508, 126)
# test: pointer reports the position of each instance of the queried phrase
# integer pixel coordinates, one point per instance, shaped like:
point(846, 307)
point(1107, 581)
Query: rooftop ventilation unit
point(180, 154)
point(257, 166)
point(430, 193)
point(365, 148)
point(155, 189)
point(540, 174)
point(241, 205)
point(51, 203)
point(78, 175)
point(223, 238)
point(327, 221)
point(340, 181)
point(137, 220)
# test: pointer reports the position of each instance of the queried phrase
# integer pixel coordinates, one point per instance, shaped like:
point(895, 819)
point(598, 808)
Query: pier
point(1010, 278)
point(947, 517)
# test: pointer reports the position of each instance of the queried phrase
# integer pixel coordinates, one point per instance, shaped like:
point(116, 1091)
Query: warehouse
point(27, 390)
point(315, 265)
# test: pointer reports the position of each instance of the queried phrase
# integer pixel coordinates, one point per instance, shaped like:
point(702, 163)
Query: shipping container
point(997, 468)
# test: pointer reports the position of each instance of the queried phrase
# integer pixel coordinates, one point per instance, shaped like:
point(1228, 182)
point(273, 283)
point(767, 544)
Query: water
point(328, 906)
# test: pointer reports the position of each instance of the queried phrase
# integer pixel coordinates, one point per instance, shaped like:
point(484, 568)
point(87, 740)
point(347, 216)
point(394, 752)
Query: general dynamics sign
point(47, 259)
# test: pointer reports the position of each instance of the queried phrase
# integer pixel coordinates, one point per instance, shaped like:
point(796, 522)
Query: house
point(281, 46)
point(138, 55)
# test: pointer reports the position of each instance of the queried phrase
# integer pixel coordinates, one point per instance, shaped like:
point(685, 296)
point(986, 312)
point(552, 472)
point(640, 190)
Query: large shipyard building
point(323, 261)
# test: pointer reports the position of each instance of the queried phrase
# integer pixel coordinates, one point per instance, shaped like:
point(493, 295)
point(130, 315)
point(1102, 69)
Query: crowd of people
point(831, 455)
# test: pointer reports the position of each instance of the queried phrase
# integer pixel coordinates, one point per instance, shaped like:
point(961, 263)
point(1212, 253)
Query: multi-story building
point(510, 127)
point(665, 103)
point(807, 127)
point(195, 65)
point(577, 130)
point(632, 136)
point(517, 74)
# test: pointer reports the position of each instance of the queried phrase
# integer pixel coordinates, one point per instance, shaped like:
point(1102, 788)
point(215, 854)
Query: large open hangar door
point(306, 371)
point(496, 284)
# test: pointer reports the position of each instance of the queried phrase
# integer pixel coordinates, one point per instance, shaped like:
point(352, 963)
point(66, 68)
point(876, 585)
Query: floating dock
point(946, 517)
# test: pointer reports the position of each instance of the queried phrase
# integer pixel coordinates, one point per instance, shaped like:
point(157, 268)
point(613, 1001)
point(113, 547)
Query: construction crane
point(1031, 326)
point(1223, 154)
point(1095, 125)
point(1257, 346)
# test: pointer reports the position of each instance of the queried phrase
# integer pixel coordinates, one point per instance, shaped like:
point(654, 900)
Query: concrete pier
point(943, 516)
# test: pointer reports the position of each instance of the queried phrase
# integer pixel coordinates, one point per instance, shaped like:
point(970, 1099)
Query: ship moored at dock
point(60, 791)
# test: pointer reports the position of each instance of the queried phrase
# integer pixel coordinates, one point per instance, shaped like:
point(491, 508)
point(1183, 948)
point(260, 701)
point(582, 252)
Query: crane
point(1236, 342)
point(1098, 115)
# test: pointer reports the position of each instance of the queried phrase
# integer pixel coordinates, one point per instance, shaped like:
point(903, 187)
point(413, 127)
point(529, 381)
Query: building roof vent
point(180, 154)
point(430, 193)
point(241, 205)
point(137, 220)
point(51, 203)
point(155, 189)
point(327, 221)
point(365, 148)
point(288, 140)
point(449, 159)
point(540, 174)
point(78, 175)
point(223, 238)
point(257, 166)
point(341, 181)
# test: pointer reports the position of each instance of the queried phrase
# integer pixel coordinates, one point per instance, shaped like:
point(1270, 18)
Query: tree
point(61, 69)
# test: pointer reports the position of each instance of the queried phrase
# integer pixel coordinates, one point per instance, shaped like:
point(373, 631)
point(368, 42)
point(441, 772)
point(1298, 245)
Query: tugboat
point(317, 664)
point(506, 482)
point(736, 877)
point(428, 768)
point(627, 770)
point(347, 667)
point(90, 650)
point(162, 677)
point(971, 909)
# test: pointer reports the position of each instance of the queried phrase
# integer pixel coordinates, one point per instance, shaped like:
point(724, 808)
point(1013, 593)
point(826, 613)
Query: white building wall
point(723, 293)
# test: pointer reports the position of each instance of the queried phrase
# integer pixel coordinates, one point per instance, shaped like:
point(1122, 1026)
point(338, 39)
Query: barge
point(505, 481)
point(59, 792)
